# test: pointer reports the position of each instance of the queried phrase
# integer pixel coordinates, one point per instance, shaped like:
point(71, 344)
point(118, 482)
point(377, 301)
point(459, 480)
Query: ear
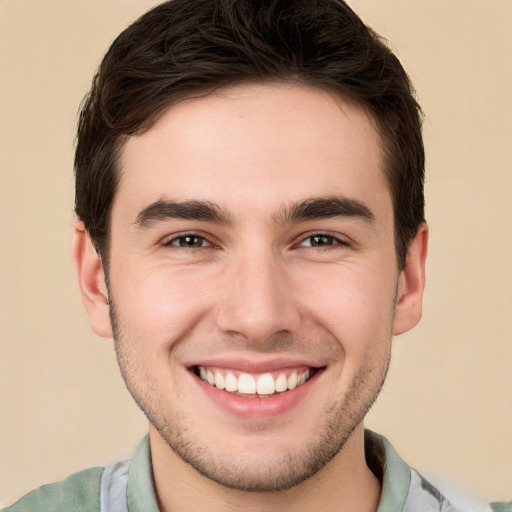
point(411, 284)
point(91, 280)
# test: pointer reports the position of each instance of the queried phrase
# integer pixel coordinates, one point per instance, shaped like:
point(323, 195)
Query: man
point(249, 193)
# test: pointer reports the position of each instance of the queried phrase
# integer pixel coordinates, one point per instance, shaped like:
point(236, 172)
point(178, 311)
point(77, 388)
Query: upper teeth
point(263, 384)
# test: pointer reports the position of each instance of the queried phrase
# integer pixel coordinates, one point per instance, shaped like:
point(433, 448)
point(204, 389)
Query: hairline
point(151, 120)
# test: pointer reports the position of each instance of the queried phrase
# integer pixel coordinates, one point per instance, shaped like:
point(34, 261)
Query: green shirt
point(128, 486)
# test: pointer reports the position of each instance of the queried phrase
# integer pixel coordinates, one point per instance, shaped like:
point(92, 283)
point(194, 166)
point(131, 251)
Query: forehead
point(257, 145)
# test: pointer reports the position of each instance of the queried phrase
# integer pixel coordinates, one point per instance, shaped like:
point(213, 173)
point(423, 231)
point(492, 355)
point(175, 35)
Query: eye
point(188, 241)
point(321, 240)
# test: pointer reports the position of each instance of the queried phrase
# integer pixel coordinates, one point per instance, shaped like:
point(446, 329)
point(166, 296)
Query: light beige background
point(447, 405)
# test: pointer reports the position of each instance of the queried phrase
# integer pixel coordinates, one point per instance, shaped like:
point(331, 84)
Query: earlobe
point(91, 280)
point(411, 284)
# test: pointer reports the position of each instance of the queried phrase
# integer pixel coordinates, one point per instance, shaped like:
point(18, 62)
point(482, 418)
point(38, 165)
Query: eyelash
point(333, 241)
point(171, 242)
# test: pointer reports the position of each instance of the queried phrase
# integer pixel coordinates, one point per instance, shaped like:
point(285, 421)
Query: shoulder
point(80, 492)
point(404, 489)
point(502, 506)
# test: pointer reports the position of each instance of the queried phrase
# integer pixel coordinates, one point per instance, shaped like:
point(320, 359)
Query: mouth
point(251, 385)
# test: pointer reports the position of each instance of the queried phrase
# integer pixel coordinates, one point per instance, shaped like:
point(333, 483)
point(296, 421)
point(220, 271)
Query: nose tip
point(258, 304)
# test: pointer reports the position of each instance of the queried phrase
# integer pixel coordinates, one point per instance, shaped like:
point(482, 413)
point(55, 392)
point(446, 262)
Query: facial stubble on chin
point(235, 470)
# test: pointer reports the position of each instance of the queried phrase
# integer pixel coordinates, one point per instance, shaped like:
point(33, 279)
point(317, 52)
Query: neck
point(344, 484)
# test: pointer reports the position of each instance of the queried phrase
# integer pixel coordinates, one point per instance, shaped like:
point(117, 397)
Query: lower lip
point(258, 408)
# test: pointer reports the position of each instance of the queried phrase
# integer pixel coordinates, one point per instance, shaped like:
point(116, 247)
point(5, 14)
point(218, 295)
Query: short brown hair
point(186, 47)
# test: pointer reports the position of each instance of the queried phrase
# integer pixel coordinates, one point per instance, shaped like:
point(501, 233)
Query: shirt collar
point(392, 471)
point(141, 489)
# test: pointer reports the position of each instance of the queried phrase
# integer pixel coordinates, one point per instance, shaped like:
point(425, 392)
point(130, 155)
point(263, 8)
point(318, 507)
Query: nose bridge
point(258, 302)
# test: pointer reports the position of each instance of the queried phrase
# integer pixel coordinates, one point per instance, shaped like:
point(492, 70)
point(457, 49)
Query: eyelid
point(338, 240)
point(167, 241)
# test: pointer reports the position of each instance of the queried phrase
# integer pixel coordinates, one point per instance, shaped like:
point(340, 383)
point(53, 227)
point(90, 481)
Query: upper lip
point(251, 365)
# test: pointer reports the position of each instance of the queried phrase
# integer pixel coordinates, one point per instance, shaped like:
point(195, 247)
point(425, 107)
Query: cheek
point(354, 304)
point(159, 307)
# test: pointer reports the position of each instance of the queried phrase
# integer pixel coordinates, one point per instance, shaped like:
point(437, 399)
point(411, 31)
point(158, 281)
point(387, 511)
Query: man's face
point(252, 246)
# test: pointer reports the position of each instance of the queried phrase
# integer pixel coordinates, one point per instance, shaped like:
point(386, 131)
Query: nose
point(258, 300)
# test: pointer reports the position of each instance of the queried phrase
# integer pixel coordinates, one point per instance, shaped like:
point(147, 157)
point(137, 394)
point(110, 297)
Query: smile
point(254, 385)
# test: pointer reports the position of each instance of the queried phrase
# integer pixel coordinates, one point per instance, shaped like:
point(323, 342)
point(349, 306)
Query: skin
point(253, 286)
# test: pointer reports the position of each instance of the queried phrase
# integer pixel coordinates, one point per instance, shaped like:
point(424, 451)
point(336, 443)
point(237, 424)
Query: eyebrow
point(309, 209)
point(189, 210)
point(325, 208)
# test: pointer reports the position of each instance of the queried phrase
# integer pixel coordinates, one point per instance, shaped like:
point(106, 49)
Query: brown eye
point(189, 241)
point(319, 241)
point(322, 240)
